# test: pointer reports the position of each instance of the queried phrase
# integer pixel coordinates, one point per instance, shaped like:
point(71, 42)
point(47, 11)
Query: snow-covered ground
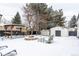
point(61, 46)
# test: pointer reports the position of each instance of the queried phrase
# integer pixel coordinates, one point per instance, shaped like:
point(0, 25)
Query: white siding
point(45, 32)
point(64, 31)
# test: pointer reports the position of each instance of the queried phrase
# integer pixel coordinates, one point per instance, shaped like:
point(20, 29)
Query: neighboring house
point(2, 27)
point(15, 28)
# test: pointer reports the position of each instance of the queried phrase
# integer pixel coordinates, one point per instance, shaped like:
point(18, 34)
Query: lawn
point(61, 46)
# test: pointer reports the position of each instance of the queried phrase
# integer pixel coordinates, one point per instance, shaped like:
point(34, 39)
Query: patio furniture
point(7, 51)
point(49, 39)
point(3, 47)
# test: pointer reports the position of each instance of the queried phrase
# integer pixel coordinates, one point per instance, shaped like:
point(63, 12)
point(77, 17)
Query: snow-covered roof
point(72, 29)
point(58, 27)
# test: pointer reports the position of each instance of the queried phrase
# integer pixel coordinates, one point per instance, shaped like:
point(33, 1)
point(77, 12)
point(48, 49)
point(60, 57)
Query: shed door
point(72, 33)
point(57, 33)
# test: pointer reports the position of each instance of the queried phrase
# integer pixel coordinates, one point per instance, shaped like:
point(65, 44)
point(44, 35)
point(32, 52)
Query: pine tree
point(16, 19)
point(72, 22)
point(77, 22)
point(56, 19)
point(77, 17)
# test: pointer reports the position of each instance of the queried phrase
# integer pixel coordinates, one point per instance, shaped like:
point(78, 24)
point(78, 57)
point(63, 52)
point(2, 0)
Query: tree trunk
point(31, 31)
point(11, 33)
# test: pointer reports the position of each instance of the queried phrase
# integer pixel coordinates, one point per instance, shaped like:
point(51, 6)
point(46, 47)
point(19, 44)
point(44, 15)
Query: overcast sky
point(8, 10)
point(69, 9)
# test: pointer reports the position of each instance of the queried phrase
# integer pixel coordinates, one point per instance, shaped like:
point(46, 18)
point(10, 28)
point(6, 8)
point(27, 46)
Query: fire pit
point(30, 37)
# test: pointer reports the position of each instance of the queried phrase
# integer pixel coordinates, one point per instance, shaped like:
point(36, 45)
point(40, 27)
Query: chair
point(3, 47)
point(46, 41)
point(7, 51)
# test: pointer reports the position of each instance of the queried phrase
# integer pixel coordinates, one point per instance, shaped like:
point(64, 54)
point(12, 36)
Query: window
point(57, 33)
point(72, 33)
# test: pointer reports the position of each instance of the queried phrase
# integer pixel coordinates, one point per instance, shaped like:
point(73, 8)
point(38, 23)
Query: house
point(16, 29)
point(2, 27)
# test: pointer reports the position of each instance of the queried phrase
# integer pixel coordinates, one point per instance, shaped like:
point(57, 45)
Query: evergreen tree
point(16, 19)
point(77, 22)
point(77, 17)
point(56, 19)
point(72, 22)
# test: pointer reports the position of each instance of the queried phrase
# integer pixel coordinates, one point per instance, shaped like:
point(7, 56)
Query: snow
point(61, 46)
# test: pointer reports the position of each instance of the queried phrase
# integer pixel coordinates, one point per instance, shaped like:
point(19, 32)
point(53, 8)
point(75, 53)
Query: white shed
point(44, 32)
point(59, 31)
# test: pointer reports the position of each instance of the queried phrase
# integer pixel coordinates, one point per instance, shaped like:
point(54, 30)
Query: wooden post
point(11, 29)
point(5, 29)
